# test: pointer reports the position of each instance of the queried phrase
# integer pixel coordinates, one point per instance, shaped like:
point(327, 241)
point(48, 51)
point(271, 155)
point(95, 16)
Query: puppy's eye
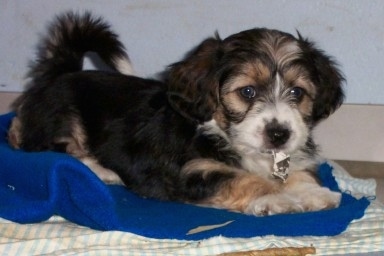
point(248, 92)
point(297, 93)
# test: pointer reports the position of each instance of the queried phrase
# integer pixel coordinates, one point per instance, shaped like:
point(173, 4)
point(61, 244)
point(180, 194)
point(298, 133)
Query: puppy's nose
point(277, 135)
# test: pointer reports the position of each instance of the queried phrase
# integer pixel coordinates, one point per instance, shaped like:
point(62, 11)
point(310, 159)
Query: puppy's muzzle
point(277, 134)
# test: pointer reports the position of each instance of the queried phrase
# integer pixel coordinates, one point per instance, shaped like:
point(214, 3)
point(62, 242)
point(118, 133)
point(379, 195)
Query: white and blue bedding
point(50, 202)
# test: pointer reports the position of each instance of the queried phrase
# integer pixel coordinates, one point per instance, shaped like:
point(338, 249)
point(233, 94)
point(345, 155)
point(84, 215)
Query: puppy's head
point(264, 88)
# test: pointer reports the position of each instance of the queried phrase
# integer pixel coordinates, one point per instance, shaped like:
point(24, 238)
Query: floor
point(362, 169)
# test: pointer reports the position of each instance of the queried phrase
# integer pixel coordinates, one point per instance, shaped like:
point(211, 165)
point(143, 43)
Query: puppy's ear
point(328, 81)
point(192, 83)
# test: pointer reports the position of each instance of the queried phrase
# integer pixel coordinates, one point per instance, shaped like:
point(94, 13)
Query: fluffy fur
point(204, 134)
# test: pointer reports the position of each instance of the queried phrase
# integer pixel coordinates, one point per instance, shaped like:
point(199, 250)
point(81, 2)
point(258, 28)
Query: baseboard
point(363, 169)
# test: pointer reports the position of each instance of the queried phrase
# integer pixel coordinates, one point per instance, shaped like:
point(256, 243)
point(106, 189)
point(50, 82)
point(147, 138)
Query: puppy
point(220, 128)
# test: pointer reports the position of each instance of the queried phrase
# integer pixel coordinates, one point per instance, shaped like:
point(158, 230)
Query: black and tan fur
point(203, 134)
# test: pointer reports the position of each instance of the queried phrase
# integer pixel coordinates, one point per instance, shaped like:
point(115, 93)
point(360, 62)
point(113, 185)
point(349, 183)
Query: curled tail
point(69, 37)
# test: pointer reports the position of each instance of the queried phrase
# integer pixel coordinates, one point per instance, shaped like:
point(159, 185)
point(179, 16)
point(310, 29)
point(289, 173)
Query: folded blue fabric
point(35, 186)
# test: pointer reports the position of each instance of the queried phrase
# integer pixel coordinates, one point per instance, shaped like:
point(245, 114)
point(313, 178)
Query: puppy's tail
point(72, 35)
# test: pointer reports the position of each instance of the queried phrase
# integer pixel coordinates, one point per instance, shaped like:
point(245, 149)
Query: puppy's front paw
point(274, 204)
point(315, 199)
point(320, 198)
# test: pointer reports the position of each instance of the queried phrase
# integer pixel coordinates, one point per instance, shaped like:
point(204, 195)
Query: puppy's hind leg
point(14, 133)
point(106, 175)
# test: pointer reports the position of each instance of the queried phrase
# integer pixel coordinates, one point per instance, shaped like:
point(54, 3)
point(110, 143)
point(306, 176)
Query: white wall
point(158, 32)
point(354, 132)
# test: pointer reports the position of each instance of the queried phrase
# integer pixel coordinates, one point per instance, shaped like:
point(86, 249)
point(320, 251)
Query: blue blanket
point(35, 186)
